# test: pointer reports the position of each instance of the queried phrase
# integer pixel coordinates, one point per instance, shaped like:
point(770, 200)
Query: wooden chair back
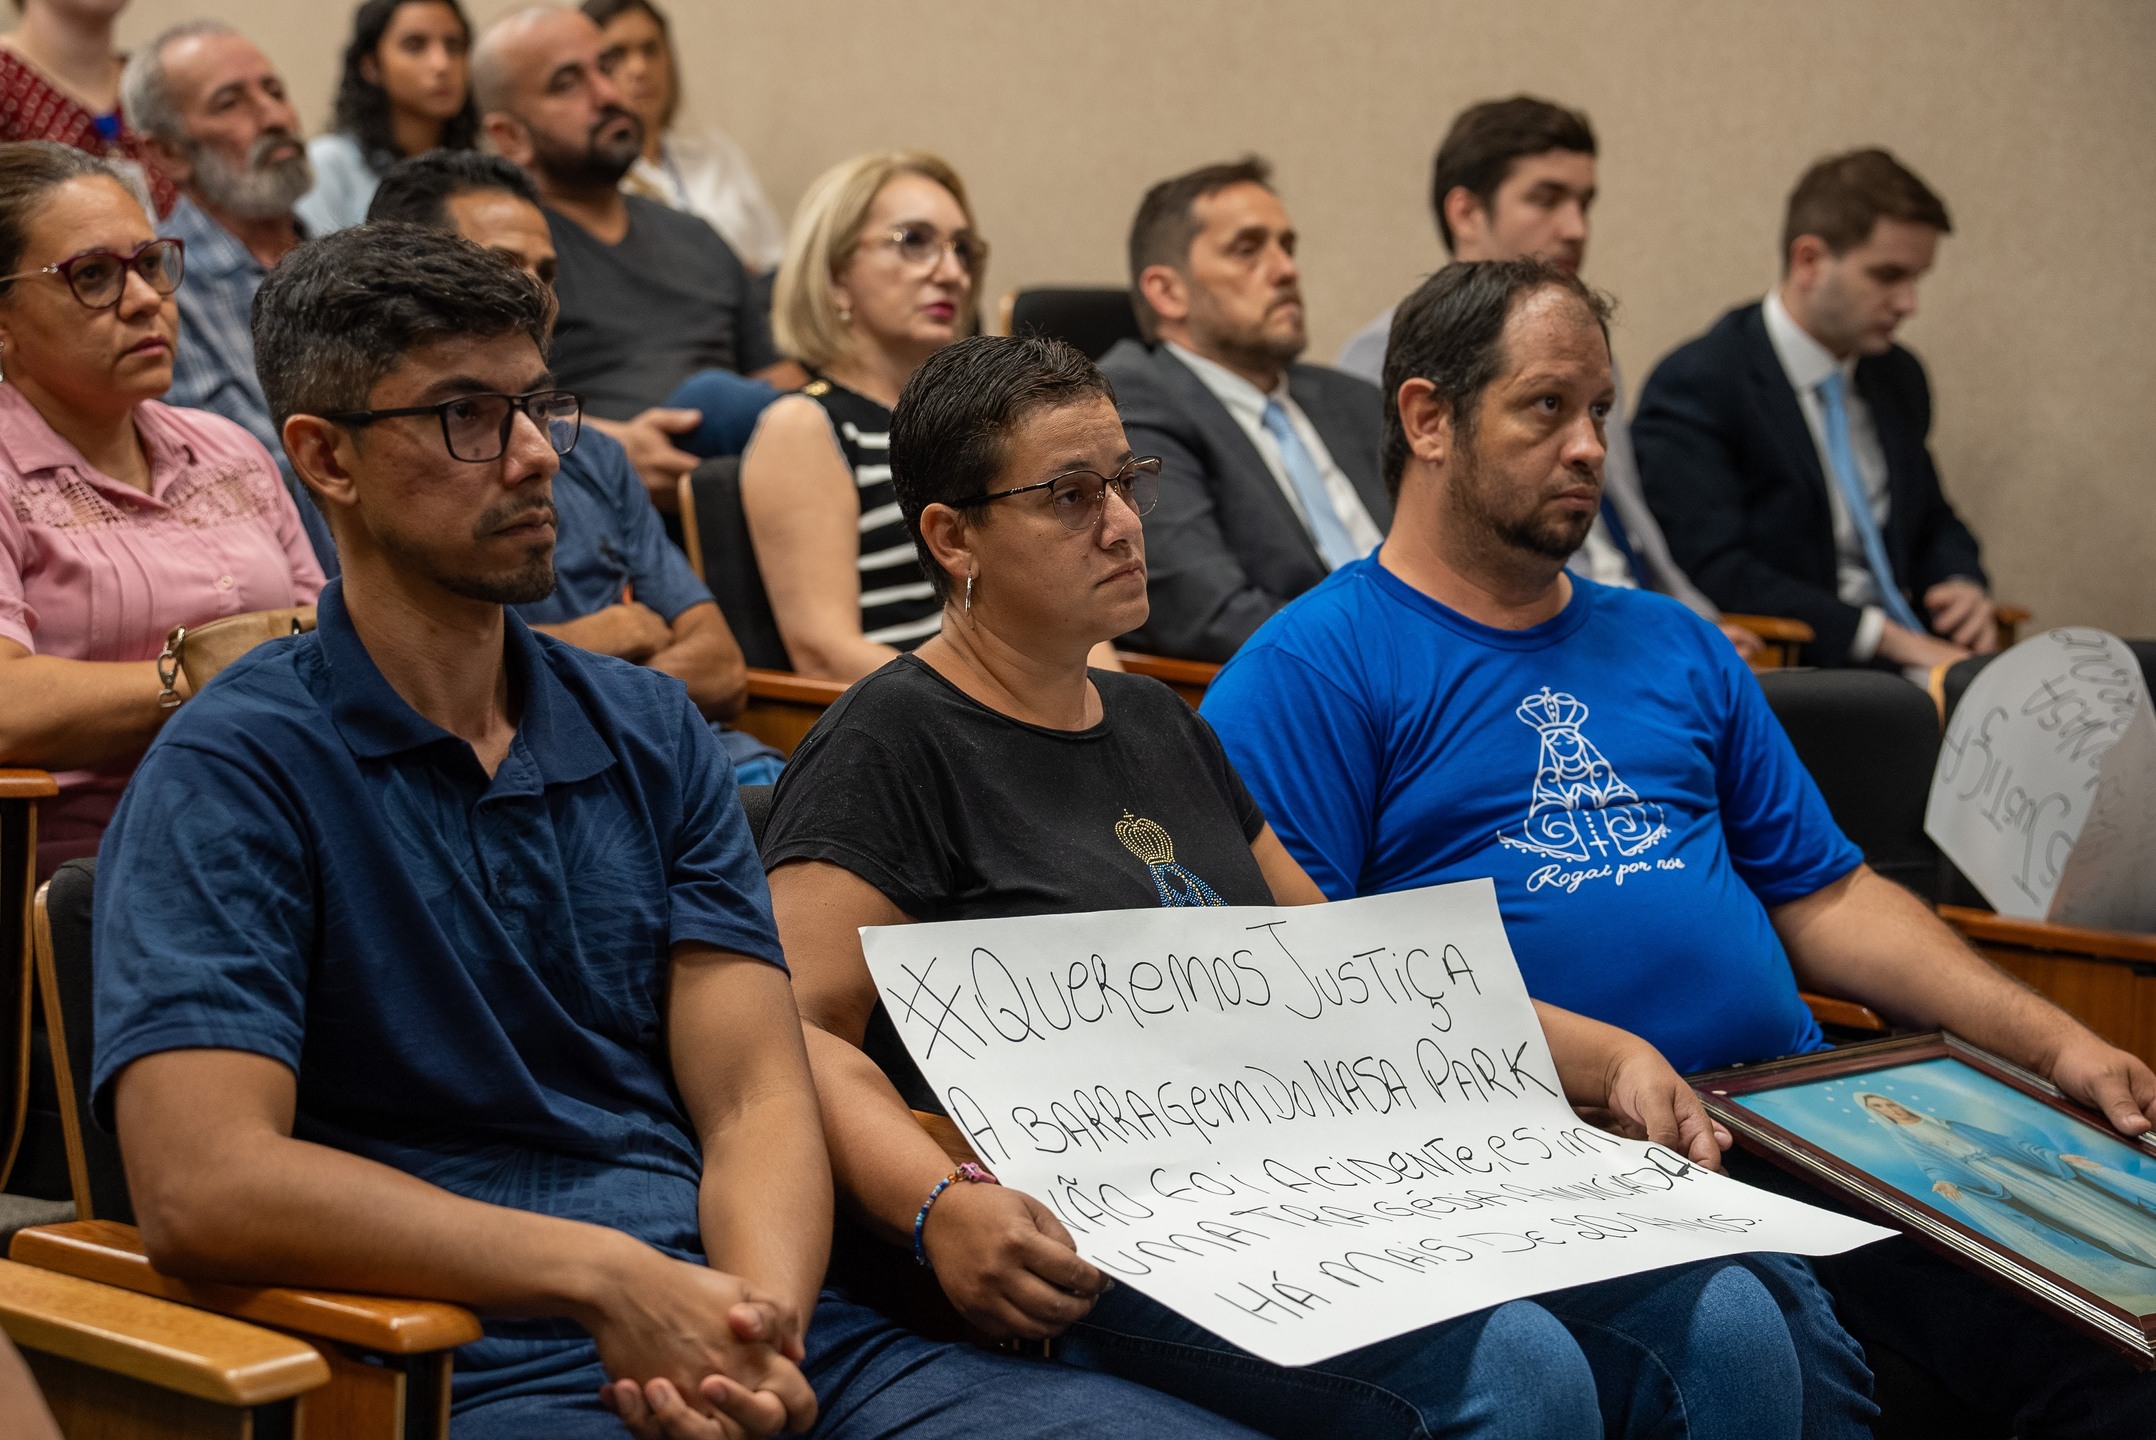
point(20, 792)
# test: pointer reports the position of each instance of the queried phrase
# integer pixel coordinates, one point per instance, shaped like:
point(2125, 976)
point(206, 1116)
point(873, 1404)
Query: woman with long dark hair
point(405, 89)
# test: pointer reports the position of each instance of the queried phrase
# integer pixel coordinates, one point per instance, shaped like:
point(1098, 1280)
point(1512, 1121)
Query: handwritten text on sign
point(1306, 1129)
point(2045, 792)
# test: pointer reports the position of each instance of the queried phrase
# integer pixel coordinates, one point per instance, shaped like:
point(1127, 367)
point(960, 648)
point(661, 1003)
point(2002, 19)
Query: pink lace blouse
point(91, 569)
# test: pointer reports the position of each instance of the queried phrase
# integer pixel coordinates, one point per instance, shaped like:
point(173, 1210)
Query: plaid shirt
point(215, 367)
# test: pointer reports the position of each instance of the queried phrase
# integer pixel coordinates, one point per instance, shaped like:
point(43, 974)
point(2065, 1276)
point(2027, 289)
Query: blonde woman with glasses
point(882, 270)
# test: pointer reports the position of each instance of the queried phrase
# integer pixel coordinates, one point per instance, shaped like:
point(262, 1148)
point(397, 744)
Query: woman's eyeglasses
point(1077, 497)
point(924, 246)
point(99, 277)
point(476, 427)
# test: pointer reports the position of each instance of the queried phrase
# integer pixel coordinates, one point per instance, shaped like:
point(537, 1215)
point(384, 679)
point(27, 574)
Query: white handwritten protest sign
point(1307, 1129)
point(2045, 794)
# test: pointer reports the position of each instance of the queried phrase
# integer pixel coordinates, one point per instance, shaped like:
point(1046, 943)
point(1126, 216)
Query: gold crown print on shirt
point(1580, 809)
point(1150, 843)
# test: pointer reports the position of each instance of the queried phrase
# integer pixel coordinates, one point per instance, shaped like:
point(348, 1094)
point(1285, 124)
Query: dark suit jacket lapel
point(1355, 453)
point(1238, 458)
point(1777, 401)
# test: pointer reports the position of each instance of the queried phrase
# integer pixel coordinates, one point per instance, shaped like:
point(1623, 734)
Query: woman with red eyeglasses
point(120, 517)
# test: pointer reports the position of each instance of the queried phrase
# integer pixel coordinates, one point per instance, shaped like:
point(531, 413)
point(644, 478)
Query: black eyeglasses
point(924, 245)
point(99, 277)
point(476, 427)
point(1078, 496)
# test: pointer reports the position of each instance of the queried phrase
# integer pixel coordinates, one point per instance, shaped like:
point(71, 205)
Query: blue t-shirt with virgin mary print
point(1615, 769)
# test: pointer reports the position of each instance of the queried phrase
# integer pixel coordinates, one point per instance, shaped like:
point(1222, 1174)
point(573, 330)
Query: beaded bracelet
point(969, 1172)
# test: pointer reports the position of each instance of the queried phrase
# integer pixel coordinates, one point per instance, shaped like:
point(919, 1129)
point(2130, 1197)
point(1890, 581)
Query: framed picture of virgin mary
point(1975, 1157)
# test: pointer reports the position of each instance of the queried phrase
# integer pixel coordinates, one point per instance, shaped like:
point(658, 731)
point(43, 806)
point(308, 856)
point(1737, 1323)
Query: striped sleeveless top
point(897, 606)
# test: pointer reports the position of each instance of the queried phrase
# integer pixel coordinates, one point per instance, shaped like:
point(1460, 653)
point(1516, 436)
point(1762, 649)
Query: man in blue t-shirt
point(1456, 704)
point(434, 956)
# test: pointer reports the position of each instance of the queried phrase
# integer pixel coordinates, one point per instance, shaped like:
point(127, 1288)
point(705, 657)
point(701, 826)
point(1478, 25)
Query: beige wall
point(2034, 120)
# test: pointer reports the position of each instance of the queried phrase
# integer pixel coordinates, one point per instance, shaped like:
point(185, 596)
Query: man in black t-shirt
point(656, 311)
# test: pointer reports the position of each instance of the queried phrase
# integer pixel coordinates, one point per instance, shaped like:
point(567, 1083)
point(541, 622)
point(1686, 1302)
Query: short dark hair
point(1167, 222)
point(1485, 141)
point(1841, 198)
point(953, 418)
point(30, 170)
point(418, 191)
point(339, 313)
point(1451, 332)
point(363, 105)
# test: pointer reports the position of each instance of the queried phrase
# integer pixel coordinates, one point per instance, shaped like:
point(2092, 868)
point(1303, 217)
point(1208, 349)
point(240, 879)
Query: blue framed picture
point(1973, 1156)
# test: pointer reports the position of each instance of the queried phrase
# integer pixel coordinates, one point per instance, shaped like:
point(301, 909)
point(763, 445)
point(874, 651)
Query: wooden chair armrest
point(692, 538)
point(1848, 1014)
point(1187, 678)
point(949, 1136)
point(27, 785)
point(154, 1341)
point(111, 1254)
point(1983, 927)
point(1777, 628)
point(2012, 614)
point(794, 689)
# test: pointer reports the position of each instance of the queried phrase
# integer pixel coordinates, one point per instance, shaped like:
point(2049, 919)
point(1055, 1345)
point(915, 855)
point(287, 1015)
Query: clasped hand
point(697, 1354)
point(1007, 1263)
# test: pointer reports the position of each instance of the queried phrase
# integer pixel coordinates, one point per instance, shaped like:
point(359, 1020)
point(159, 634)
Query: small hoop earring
point(969, 595)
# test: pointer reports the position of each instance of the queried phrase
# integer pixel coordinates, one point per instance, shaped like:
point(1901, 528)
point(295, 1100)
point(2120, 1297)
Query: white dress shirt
point(1807, 364)
point(1246, 402)
point(705, 173)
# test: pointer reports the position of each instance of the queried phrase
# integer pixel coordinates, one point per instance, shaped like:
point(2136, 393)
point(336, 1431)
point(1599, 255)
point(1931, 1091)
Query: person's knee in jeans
point(1696, 1351)
point(729, 405)
point(1837, 1381)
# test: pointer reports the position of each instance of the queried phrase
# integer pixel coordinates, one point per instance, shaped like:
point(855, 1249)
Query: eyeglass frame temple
point(129, 264)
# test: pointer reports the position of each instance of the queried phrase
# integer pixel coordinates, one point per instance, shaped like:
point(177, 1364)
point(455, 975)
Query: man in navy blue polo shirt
point(620, 586)
point(434, 958)
point(1457, 705)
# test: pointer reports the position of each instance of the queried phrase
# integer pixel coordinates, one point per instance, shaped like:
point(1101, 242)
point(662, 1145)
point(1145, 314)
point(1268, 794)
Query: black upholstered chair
point(1091, 319)
point(1870, 741)
point(715, 533)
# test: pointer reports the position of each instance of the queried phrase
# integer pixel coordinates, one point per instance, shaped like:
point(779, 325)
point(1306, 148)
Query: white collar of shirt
point(1804, 360)
point(1245, 401)
point(1246, 405)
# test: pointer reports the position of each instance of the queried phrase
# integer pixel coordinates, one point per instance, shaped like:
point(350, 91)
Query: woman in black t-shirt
point(990, 772)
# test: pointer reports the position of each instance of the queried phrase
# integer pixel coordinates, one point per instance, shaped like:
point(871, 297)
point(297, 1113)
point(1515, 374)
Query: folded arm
point(65, 714)
point(1867, 939)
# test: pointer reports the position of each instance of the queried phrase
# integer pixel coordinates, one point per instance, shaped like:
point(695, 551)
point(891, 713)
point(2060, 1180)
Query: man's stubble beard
point(530, 582)
point(1502, 537)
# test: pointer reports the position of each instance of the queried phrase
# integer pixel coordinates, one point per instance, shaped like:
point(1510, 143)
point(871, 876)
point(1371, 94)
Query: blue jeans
point(755, 763)
point(730, 404)
point(1697, 1351)
point(873, 1379)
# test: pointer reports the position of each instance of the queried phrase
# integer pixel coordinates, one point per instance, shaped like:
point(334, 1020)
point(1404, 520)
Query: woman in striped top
point(879, 274)
point(881, 271)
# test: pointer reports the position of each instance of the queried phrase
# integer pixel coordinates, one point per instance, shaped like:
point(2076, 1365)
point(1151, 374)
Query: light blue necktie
point(1859, 505)
point(1335, 546)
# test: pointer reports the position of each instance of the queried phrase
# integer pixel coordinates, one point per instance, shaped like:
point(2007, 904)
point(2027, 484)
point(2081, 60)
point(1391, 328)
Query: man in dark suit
point(1784, 450)
point(1270, 467)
